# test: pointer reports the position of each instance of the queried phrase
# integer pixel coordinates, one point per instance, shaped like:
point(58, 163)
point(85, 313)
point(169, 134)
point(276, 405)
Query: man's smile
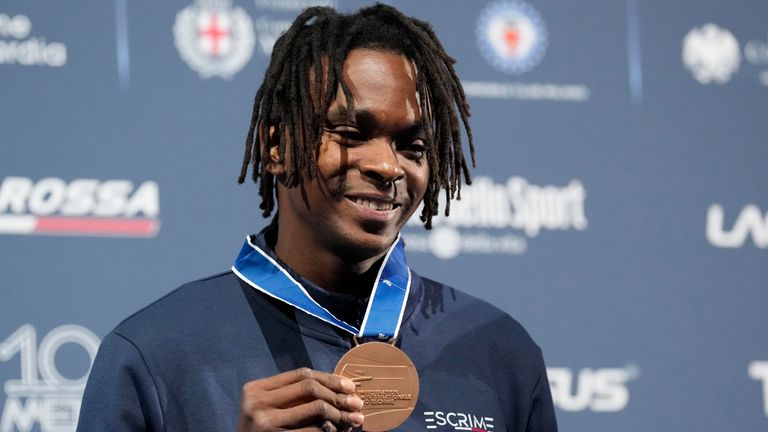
point(380, 203)
point(374, 209)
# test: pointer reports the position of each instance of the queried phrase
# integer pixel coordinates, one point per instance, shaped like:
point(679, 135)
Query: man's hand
point(302, 399)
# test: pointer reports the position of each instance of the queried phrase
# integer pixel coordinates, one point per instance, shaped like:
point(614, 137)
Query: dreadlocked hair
point(293, 106)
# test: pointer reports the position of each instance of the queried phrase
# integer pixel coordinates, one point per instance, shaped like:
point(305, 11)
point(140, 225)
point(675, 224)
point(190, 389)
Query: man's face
point(372, 170)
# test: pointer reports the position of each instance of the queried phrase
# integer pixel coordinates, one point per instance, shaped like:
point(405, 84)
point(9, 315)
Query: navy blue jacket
point(180, 363)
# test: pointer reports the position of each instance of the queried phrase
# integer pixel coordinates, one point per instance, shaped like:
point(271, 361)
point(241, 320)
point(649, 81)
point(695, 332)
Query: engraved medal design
point(385, 380)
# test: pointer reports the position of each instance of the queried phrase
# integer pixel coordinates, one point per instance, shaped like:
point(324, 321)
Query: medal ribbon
point(385, 306)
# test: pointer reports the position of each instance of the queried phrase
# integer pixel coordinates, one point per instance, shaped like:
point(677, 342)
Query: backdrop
point(618, 212)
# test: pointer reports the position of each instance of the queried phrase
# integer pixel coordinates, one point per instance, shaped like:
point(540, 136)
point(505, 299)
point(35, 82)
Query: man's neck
point(325, 268)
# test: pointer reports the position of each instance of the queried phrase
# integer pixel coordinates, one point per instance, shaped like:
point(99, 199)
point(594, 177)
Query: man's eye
point(346, 134)
point(415, 150)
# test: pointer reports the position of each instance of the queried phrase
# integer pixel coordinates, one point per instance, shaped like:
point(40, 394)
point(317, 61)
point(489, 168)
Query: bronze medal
point(385, 380)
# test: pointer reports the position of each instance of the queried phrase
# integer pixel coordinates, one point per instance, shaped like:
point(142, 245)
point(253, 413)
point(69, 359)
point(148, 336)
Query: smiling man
point(371, 175)
point(321, 324)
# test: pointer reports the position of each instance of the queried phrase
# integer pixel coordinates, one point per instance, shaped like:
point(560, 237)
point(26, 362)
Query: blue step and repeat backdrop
point(619, 209)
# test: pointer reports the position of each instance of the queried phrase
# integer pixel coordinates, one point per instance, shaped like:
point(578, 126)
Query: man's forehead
point(355, 52)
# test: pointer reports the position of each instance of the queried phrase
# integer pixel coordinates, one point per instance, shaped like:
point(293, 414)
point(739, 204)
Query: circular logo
point(511, 36)
point(214, 41)
point(445, 242)
point(711, 53)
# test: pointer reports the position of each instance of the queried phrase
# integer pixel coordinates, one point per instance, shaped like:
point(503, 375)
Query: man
point(354, 127)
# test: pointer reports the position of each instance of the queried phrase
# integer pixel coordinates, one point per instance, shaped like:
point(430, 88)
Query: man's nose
point(380, 161)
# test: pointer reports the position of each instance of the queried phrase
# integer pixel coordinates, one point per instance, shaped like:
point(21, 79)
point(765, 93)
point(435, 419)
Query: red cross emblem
point(511, 37)
point(214, 33)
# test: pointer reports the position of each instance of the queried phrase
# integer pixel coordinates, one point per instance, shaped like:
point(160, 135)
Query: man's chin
point(367, 245)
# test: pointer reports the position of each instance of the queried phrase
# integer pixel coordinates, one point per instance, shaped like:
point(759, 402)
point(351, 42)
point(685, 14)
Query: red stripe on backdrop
point(97, 226)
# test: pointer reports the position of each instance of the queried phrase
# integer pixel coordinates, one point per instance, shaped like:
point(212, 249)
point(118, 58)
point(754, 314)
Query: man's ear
point(275, 164)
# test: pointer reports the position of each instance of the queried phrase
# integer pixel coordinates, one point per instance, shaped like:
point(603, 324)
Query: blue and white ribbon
point(385, 306)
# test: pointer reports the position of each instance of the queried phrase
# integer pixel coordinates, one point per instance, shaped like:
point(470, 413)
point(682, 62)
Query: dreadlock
point(316, 45)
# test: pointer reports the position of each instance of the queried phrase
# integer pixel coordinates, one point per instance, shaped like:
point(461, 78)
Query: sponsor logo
point(751, 221)
point(42, 395)
point(496, 218)
point(18, 46)
point(758, 370)
point(447, 420)
point(214, 38)
point(597, 390)
point(711, 53)
point(93, 207)
point(511, 36)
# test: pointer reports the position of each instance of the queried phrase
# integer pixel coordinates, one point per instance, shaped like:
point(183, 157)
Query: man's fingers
point(316, 413)
point(307, 391)
point(319, 429)
point(284, 379)
point(297, 393)
point(328, 427)
point(302, 398)
point(333, 382)
point(337, 383)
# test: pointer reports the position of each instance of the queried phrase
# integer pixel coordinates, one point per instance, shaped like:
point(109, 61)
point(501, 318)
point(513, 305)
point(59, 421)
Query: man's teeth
point(375, 205)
